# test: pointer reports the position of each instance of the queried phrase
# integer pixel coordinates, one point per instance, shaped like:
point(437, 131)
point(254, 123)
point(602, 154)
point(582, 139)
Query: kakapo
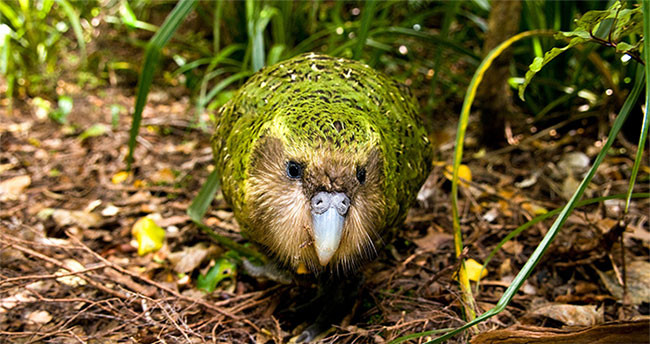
point(318, 156)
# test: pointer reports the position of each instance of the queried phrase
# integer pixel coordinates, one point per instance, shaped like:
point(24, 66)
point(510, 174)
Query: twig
point(146, 280)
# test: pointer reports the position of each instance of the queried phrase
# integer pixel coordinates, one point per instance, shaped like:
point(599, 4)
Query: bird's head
point(315, 189)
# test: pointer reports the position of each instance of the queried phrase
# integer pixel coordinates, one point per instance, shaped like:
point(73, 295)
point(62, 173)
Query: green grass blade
point(451, 11)
point(204, 198)
point(458, 155)
point(222, 55)
point(10, 14)
point(199, 207)
point(366, 18)
point(527, 269)
point(216, 26)
point(152, 54)
point(644, 127)
point(417, 335)
point(223, 84)
point(6, 64)
point(73, 17)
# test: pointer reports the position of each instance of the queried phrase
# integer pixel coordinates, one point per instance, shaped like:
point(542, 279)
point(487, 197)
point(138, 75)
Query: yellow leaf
point(464, 174)
point(164, 176)
point(148, 234)
point(34, 142)
point(534, 209)
point(474, 270)
point(120, 177)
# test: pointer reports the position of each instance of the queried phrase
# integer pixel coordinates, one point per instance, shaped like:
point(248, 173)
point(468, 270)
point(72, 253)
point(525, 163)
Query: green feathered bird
point(318, 156)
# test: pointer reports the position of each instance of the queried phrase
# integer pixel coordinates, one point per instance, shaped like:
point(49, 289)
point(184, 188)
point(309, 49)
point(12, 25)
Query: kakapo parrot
point(318, 157)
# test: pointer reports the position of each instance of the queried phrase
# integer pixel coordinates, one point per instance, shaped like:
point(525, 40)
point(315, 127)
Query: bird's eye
point(294, 170)
point(361, 175)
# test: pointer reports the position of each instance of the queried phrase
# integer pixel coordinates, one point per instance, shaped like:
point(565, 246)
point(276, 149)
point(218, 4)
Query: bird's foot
point(335, 301)
point(269, 271)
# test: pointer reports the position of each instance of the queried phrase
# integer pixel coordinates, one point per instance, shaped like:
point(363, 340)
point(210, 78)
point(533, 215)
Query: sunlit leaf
point(120, 177)
point(475, 270)
point(148, 234)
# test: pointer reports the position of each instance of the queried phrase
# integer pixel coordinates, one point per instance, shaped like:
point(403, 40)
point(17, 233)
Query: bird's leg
point(335, 299)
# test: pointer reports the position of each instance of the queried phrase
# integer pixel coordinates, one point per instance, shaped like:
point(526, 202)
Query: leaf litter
point(69, 267)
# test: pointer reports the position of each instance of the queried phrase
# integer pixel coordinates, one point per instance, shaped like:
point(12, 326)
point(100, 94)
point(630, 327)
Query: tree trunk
point(495, 98)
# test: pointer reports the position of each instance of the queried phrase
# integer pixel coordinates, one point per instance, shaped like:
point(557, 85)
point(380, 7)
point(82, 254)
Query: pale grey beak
point(328, 210)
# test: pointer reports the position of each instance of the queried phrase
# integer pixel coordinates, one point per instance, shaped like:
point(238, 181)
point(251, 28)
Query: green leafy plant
point(33, 40)
point(607, 28)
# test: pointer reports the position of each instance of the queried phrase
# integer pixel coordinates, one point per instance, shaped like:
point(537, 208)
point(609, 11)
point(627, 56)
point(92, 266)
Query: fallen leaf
point(71, 265)
point(92, 205)
point(189, 258)
point(148, 235)
point(64, 217)
point(572, 315)
point(11, 188)
point(513, 247)
point(475, 270)
point(120, 177)
point(534, 209)
point(110, 210)
point(10, 302)
point(464, 174)
point(433, 240)
point(491, 215)
point(569, 186)
point(574, 163)
point(528, 182)
point(39, 317)
point(638, 282)
point(164, 176)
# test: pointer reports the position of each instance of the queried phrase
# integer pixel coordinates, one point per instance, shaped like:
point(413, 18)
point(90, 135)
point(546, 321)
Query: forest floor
point(70, 271)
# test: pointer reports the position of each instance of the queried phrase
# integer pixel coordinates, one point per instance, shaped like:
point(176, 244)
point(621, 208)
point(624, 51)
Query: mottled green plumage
point(319, 108)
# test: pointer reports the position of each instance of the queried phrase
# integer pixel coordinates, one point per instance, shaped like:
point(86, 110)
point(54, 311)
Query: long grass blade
point(458, 155)
point(73, 17)
point(152, 54)
point(644, 127)
point(366, 20)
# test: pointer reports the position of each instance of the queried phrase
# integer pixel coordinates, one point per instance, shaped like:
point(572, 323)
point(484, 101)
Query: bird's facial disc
point(328, 211)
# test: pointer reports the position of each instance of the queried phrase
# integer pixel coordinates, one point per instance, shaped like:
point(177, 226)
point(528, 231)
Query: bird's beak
point(328, 210)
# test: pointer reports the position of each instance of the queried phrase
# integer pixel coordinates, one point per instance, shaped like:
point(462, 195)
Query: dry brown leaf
point(39, 317)
point(164, 176)
point(189, 258)
point(638, 282)
point(64, 217)
point(11, 188)
point(572, 315)
point(433, 240)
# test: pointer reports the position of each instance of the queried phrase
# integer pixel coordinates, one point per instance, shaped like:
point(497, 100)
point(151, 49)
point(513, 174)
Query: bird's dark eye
point(361, 175)
point(294, 170)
